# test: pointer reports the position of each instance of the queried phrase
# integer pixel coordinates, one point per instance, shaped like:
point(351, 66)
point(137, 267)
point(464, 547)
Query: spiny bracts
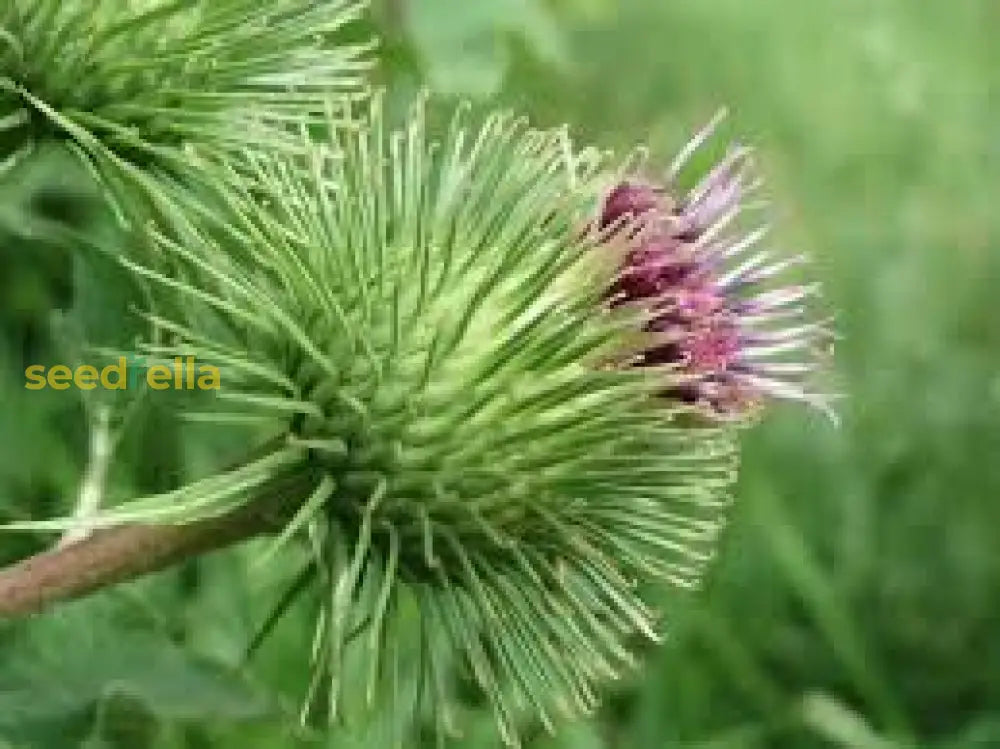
point(455, 349)
point(140, 79)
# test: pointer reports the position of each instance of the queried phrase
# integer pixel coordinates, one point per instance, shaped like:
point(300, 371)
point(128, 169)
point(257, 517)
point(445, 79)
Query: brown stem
point(116, 555)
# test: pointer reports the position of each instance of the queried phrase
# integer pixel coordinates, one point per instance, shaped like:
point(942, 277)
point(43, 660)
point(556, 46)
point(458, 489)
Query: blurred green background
point(856, 598)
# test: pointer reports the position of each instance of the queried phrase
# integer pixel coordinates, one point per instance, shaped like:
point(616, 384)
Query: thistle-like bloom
point(724, 319)
point(418, 334)
point(138, 79)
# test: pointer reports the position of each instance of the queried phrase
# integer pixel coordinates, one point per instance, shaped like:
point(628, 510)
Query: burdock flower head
point(425, 351)
point(724, 319)
point(137, 80)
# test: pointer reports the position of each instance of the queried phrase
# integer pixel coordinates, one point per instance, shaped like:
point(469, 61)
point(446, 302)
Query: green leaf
point(64, 664)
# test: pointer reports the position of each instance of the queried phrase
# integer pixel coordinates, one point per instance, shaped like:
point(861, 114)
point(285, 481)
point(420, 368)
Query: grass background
point(856, 599)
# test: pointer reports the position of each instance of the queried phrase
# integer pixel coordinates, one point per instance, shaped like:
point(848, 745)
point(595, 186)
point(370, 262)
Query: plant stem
point(112, 556)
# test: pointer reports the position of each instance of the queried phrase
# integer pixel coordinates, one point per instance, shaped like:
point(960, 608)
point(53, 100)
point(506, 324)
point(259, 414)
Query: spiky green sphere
point(139, 78)
point(420, 332)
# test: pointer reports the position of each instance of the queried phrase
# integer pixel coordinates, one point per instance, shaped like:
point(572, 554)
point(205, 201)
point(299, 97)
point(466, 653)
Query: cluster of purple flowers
point(722, 315)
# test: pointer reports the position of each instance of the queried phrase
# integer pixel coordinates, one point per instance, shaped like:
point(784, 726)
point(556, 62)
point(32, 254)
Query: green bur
point(139, 79)
point(418, 334)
